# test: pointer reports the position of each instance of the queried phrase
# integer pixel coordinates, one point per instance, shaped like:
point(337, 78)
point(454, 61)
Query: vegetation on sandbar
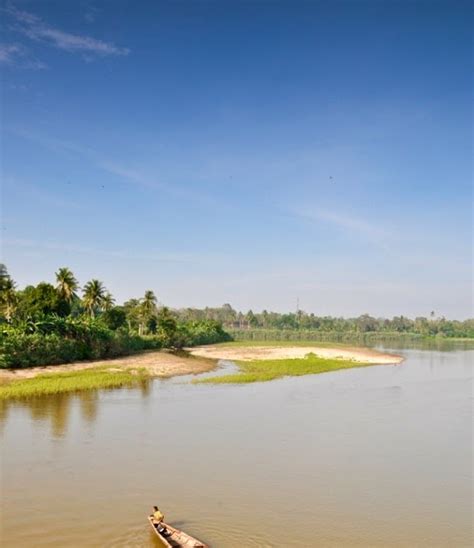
point(268, 370)
point(71, 381)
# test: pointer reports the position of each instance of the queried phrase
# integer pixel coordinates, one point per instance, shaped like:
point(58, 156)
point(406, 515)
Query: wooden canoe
point(177, 538)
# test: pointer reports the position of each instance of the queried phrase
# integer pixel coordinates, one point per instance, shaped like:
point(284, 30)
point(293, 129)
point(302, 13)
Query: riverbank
point(244, 351)
point(154, 363)
point(256, 363)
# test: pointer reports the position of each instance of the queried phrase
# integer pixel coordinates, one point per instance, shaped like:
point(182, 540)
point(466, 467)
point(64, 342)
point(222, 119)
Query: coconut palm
point(149, 303)
point(148, 309)
point(67, 284)
point(8, 299)
point(93, 296)
point(108, 301)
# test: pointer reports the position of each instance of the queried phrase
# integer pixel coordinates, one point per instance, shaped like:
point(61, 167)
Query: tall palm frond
point(8, 296)
point(93, 296)
point(67, 285)
point(148, 303)
point(108, 301)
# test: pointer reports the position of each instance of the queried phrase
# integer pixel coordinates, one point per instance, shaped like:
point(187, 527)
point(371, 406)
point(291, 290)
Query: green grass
point(268, 370)
point(56, 383)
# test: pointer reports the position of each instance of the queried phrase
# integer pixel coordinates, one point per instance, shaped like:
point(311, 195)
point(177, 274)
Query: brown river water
point(378, 456)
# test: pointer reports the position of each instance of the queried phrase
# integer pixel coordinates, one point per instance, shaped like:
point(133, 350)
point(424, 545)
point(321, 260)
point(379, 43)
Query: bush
point(53, 340)
point(56, 340)
point(200, 332)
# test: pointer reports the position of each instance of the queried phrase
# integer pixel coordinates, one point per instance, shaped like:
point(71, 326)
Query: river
point(377, 456)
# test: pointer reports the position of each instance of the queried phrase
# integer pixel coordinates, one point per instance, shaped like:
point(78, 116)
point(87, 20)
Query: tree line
point(301, 321)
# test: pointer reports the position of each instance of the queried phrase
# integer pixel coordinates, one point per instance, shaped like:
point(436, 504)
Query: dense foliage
point(55, 340)
point(48, 324)
point(300, 325)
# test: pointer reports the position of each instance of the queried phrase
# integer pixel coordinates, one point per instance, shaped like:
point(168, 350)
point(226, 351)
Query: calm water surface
point(379, 456)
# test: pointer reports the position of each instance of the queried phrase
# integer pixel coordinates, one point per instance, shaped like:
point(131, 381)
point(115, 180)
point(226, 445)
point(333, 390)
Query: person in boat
point(158, 518)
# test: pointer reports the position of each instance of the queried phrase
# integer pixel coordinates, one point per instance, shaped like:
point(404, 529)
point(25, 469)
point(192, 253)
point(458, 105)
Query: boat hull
point(176, 537)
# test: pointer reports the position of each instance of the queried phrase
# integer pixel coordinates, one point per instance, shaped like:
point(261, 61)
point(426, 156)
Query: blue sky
point(243, 152)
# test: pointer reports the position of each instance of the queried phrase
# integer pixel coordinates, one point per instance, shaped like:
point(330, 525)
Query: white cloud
point(36, 29)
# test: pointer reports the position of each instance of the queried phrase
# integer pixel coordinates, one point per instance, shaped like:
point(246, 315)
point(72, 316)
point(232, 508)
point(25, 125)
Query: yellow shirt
point(158, 516)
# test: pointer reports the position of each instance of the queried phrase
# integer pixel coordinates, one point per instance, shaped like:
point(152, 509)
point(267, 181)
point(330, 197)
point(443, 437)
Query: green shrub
point(200, 332)
point(62, 340)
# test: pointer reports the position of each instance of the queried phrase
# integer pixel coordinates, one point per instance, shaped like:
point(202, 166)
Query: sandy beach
point(244, 353)
point(157, 363)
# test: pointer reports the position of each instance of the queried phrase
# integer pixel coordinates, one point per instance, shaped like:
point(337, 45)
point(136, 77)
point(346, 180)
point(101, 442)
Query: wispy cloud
point(345, 222)
point(9, 52)
point(91, 14)
point(16, 54)
point(36, 29)
point(38, 195)
point(152, 255)
point(129, 175)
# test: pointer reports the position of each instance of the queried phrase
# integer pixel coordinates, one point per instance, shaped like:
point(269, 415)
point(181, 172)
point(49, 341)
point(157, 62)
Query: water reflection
point(438, 344)
point(89, 405)
point(57, 409)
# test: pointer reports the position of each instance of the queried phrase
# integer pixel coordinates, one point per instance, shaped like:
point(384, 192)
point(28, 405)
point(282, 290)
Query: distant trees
point(300, 321)
point(146, 318)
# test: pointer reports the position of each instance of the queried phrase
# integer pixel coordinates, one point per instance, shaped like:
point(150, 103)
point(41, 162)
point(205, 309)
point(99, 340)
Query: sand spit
point(157, 363)
point(203, 358)
point(244, 353)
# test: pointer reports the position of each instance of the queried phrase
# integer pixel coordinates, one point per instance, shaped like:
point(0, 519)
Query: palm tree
point(108, 301)
point(67, 284)
point(93, 297)
point(148, 308)
point(8, 299)
point(149, 303)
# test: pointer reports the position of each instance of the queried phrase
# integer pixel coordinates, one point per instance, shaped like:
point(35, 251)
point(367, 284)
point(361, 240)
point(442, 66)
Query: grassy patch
point(56, 383)
point(268, 370)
